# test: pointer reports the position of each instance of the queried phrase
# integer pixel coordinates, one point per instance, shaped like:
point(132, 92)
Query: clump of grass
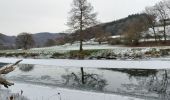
point(20, 54)
point(58, 55)
point(81, 55)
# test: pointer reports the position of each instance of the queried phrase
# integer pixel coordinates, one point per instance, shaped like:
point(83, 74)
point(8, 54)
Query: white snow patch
point(35, 92)
point(155, 64)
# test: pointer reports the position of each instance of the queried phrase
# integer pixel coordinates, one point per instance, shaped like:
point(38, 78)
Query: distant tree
point(151, 19)
point(162, 13)
point(24, 41)
point(159, 37)
point(101, 35)
point(50, 42)
point(69, 39)
point(134, 30)
point(81, 17)
point(60, 41)
point(147, 36)
point(167, 4)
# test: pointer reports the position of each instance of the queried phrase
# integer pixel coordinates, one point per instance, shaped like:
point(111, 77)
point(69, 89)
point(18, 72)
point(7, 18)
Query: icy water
point(141, 83)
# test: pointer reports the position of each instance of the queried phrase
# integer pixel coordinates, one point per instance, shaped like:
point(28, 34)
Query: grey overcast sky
point(34, 16)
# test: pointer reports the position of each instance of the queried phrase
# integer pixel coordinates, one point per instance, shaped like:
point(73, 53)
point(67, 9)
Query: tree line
point(159, 13)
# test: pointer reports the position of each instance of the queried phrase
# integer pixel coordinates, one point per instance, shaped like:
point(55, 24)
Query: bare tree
point(167, 4)
point(24, 41)
point(151, 19)
point(81, 17)
point(163, 16)
point(134, 31)
point(100, 35)
point(50, 42)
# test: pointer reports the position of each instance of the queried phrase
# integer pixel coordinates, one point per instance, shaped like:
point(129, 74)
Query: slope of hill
point(40, 38)
point(7, 40)
point(119, 26)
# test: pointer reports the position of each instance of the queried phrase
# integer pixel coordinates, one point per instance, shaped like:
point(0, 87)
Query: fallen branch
point(5, 70)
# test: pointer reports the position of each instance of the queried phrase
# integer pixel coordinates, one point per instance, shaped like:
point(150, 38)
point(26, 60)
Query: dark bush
point(26, 67)
point(57, 55)
point(82, 54)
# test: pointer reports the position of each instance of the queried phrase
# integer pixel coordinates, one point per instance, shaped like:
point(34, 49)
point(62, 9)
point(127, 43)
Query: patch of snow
point(155, 64)
point(35, 92)
point(116, 36)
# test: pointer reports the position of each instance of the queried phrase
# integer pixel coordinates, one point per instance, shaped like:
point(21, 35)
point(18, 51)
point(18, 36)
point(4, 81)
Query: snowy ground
point(68, 47)
point(151, 64)
point(105, 52)
point(35, 92)
point(76, 47)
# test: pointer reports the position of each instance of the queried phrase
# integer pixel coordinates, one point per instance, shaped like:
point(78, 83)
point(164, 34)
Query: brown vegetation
point(5, 70)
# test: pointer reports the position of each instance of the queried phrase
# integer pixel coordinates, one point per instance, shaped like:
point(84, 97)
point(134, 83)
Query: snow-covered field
point(68, 47)
point(76, 47)
point(36, 92)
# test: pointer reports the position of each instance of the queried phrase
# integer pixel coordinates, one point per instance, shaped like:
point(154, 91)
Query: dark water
point(143, 83)
point(2, 64)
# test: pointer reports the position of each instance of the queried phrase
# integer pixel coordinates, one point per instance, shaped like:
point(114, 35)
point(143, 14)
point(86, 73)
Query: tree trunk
point(164, 31)
point(154, 32)
point(82, 75)
point(81, 45)
point(100, 42)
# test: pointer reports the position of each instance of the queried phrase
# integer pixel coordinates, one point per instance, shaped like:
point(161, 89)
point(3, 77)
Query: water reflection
point(154, 81)
point(91, 81)
point(136, 72)
point(2, 64)
point(135, 82)
point(159, 84)
point(26, 67)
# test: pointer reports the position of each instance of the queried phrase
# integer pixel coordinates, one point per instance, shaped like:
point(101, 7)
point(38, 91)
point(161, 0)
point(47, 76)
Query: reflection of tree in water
point(26, 67)
point(136, 72)
point(92, 81)
point(154, 81)
point(159, 84)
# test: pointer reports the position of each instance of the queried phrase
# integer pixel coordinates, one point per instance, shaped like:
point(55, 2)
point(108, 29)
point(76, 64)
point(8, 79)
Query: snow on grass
point(35, 92)
point(155, 64)
point(67, 47)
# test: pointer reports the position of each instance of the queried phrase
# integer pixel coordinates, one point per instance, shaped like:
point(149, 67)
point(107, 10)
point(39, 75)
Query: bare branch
point(5, 70)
